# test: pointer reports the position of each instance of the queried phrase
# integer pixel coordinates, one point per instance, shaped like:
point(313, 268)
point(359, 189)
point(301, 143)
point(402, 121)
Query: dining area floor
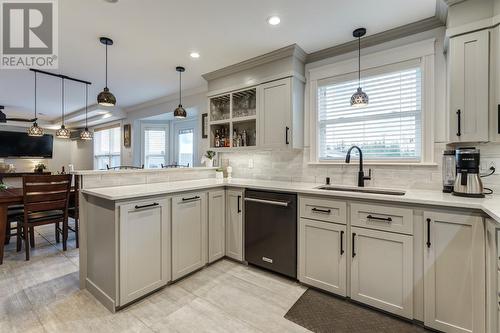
point(43, 295)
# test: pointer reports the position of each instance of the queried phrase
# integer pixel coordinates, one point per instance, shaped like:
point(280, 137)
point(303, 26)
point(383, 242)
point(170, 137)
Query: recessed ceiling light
point(195, 55)
point(274, 20)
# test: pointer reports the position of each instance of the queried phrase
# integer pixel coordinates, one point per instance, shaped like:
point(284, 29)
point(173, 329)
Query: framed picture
point(204, 126)
point(127, 135)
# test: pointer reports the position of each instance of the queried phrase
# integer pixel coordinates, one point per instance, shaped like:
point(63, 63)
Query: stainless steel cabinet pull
point(342, 242)
point(327, 211)
point(146, 206)
point(189, 199)
point(353, 247)
point(287, 129)
point(268, 202)
point(459, 120)
point(239, 203)
point(388, 219)
point(428, 233)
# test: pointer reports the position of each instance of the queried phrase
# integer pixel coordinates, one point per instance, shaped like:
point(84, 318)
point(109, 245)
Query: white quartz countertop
point(135, 171)
point(490, 205)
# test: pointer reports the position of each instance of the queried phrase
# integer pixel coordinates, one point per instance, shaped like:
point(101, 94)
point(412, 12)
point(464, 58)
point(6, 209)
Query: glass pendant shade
point(86, 134)
point(180, 112)
point(359, 98)
point(35, 130)
point(63, 133)
point(106, 98)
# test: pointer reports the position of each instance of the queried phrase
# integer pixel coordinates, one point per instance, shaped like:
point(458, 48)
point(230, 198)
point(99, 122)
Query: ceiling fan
point(4, 119)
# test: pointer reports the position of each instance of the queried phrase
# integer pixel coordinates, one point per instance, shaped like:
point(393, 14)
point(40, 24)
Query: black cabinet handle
point(353, 247)
point(498, 125)
point(286, 135)
point(239, 205)
point(428, 233)
point(459, 120)
point(388, 219)
point(146, 206)
point(327, 211)
point(342, 242)
point(189, 199)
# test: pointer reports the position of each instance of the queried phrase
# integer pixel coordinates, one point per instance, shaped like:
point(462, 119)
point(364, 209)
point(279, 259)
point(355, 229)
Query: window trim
point(423, 51)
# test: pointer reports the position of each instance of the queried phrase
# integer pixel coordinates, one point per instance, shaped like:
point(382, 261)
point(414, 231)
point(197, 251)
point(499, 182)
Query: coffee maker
point(468, 181)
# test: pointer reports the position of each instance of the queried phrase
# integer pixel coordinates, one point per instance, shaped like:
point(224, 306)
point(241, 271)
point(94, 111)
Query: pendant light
point(35, 130)
point(359, 98)
point(105, 97)
point(63, 132)
point(180, 112)
point(86, 134)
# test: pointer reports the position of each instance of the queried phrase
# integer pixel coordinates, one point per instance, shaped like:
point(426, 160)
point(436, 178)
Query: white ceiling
point(153, 36)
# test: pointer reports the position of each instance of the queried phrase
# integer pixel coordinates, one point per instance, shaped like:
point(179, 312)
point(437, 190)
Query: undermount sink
point(361, 190)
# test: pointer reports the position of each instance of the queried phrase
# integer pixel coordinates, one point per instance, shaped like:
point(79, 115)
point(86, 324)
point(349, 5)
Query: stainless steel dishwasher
point(271, 231)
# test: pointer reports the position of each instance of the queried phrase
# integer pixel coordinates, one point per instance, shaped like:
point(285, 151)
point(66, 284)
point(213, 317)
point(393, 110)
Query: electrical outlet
point(488, 163)
point(250, 163)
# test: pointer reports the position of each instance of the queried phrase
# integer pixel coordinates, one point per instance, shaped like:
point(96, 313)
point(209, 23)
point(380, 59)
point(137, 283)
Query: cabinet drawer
point(382, 217)
point(323, 210)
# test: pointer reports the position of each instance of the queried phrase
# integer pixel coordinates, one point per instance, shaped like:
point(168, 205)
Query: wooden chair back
point(44, 193)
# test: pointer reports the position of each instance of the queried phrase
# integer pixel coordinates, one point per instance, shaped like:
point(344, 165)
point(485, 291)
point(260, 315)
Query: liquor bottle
point(235, 138)
point(244, 138)
point(217, 139)
point(222, 138)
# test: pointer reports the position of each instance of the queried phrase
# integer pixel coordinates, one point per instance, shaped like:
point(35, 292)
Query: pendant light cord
point(86, 103)
point(106, 65)
point(359, 62)
point(35, 97)
point(62, 106)
point(180, 88)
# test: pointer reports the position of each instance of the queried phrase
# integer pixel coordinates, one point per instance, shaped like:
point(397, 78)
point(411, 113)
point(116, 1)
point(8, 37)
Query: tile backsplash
point(291, 165)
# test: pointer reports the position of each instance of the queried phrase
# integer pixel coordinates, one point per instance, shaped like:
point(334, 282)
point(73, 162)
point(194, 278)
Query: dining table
point(8, 197)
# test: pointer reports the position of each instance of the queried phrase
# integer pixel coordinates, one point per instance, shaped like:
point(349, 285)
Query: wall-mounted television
point(19, 144)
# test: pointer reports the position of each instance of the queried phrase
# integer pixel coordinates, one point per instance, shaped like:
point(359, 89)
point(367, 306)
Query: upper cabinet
point(259, 102)
point(469, 85)
point(495, 84)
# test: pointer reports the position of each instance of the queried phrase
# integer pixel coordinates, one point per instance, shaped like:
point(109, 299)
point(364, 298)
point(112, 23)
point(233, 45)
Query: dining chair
point(73, 212)
point(46, 200)
point(124, 167)
point(175, 165)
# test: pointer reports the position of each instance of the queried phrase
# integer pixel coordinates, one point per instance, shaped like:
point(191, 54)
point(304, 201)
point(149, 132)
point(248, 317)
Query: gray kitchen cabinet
point(495, 84)
point(322, 255)
point(234, 224)
point(469, 85)
point(189, 233)
point(216, 224)
point(382, 270)
point(454, 272)
point(144, 248)
point(281, 114)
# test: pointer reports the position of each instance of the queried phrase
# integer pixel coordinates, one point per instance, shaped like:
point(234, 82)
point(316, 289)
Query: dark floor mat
point(321, 313)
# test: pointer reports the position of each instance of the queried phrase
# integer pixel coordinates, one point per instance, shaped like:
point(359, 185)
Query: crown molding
point(382, 37)
point(288, 51)
point(452, 2)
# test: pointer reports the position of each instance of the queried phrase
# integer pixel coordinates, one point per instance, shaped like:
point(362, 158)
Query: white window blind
point(388, 128)
point(155, 147)
point(107, 143)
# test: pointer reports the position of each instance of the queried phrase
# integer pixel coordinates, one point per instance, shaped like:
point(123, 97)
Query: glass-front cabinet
point(233, 119)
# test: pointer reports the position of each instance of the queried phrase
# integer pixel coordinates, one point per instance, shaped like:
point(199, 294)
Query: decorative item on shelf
point(208, 158)
point(219, 174)
point(71, 167)
point(229, 170)
point(204, 126)
point(180, 112)
point(359, 98)
point(127, 135)
point(3, 187)
point(86, 134)
point(63, 132)
point(12, 168)
point(105, 97)
point(35, 130)
point(40, 167)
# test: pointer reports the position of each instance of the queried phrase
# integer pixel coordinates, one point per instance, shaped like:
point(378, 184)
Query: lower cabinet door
point(144, 248)
point(189, 233)
point(234, 225)
point(454, 267)
point(216, 225)
point(322, 255)
point(382, 270)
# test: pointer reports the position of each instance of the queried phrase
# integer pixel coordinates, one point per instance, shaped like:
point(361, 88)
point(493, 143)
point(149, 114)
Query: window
point(155, 147)
point(387, 129)
point(107, 144)
point(186, 146)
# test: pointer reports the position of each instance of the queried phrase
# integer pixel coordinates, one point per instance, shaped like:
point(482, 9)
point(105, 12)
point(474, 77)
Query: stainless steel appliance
point(271, 231)
point(449, 170)
point(468, 180)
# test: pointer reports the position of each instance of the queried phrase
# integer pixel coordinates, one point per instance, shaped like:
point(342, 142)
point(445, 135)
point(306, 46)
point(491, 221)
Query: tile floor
point(42, 295)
